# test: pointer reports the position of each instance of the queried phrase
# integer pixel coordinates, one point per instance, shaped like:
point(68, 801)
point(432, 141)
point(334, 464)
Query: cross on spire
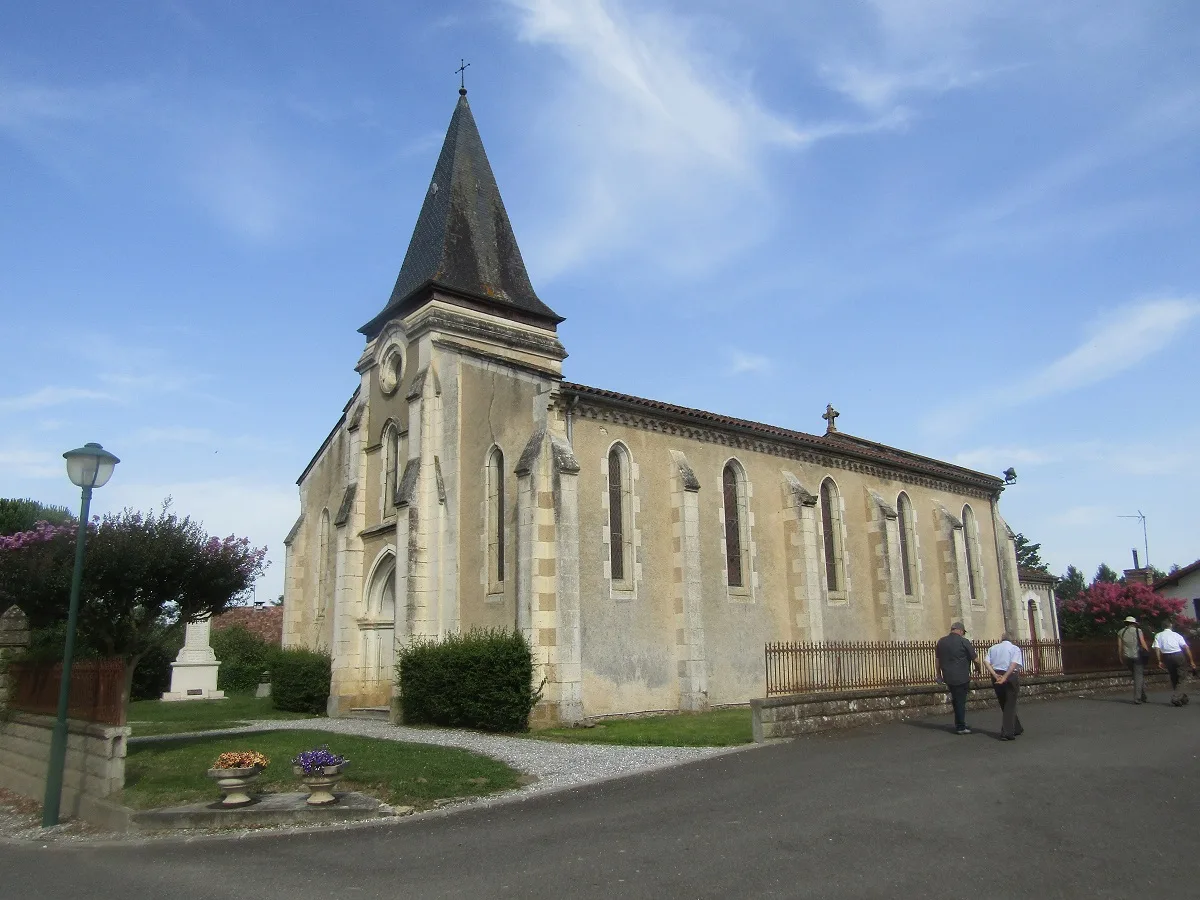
point(462, 79)
point(830, 416)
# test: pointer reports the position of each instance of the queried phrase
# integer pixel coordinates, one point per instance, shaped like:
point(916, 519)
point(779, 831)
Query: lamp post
point(88, 467)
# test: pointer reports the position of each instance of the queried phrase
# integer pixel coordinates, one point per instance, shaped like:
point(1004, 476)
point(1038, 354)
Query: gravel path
point(555, 765)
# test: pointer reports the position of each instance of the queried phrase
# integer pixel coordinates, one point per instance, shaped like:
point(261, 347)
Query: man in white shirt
point(1004, 663)
point(1170, 648)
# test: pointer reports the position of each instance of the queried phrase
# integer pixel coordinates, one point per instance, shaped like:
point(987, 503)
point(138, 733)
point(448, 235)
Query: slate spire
point(463, 243)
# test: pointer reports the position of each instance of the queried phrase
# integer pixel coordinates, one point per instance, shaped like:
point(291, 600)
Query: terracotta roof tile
point(837, 443)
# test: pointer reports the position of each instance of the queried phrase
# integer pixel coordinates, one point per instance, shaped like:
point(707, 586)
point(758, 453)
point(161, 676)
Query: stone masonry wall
point(95, 764)
point(791, 716)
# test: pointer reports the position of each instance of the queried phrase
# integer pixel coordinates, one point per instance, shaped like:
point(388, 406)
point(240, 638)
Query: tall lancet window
point(733, 492)
point(325, 547)
point(620, 513)
point(831, 536)
point(971, 543)
point(908, 545)
point(391, 467)
point(495, 520)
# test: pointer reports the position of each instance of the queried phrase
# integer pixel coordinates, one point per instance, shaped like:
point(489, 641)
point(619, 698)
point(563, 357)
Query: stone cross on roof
point(830, 416)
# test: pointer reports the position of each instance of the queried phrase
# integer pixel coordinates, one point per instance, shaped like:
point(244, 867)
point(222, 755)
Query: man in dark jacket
point(955, 655)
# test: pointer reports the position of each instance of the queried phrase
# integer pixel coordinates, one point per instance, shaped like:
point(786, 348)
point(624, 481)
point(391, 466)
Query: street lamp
point(88, 467)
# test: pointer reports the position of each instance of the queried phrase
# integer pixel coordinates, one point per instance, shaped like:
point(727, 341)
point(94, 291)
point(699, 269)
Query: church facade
point(647, 551)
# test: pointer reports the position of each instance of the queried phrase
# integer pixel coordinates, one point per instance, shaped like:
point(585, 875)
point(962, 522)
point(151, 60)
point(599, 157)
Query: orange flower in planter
point(241, 759)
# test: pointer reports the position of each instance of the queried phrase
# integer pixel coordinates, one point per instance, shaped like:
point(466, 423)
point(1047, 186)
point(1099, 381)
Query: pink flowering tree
point(145, 576)
point(1102, 608)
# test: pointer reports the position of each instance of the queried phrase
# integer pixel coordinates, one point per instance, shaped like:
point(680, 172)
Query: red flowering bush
point(1101, 610)
point(144, 576)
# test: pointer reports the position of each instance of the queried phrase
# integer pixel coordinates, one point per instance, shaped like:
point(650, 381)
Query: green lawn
point(718, 728)
point(169, 773)
point(148, 717)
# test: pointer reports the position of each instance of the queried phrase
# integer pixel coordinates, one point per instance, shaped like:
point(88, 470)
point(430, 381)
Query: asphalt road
point(1099, 798)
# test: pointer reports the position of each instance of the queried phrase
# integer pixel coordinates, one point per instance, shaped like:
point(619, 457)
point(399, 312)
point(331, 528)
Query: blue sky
point(971, 226)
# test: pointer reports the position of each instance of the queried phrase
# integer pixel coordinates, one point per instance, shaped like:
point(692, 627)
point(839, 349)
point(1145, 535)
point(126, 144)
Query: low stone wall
point(796, 714)
point(95, 765)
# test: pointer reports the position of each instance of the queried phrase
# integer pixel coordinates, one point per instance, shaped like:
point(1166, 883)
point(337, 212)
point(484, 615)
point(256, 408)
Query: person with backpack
point(1134, 652)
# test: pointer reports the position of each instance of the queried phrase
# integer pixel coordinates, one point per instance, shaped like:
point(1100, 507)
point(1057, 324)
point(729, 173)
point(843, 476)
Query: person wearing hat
point(1170, 648)
point(954, 658)
point(1132, 648)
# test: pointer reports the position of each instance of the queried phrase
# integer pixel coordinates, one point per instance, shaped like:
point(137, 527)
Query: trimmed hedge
point(300, 680)
point(244, 657)
point(482, 679)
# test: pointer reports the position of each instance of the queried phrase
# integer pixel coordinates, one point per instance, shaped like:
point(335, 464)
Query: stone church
point(648, 551)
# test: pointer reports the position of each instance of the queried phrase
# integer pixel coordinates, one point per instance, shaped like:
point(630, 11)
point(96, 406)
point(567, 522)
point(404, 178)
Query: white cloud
point(1114, 343)
point(174, 435)
point(661, 145)
point(987, 459)
point(21, 463)
point(741, 362)
point(52, 396)
point(1118, 342)
point(1084, 516)
point(905, 47)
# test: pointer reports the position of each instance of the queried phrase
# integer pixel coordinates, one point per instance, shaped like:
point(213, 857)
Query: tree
point(1029, 555)
point(1105, 575)
point(22, 515)
point(145, 576)
point(1070, 585)
point(1100, 609)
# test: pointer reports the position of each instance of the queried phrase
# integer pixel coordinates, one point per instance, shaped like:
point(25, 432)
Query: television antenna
point(1141, 517)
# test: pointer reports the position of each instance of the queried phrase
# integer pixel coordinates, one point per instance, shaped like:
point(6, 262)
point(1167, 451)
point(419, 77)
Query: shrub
point(244, 657)
point(482, 679)
point(152, 677)
point(300, 680)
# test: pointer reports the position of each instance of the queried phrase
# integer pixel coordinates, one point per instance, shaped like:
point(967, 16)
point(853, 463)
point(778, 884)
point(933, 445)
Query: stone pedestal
point(194, 672)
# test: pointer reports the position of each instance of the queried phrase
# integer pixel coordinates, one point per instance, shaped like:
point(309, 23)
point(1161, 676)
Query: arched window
point(495, 519)
point(324, 567)
point(908, 543)
point(971, 543)
point(831, 536)
point(737, 524)
point(620, 515)
point(391, 467)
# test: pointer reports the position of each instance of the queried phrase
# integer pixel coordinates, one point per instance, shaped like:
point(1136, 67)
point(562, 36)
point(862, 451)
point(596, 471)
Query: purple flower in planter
point(313, 762)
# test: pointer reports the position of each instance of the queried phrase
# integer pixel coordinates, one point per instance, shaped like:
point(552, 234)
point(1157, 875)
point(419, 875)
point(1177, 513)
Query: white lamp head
point(90, 466)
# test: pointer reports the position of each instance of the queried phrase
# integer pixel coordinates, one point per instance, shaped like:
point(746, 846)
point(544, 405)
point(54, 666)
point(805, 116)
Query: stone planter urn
point(235, 784)
point(321, 783)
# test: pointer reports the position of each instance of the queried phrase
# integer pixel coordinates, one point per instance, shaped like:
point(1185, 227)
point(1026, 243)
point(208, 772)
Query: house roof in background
point(1176, 577)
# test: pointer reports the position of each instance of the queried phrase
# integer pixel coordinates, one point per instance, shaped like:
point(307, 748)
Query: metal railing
point(97, 689)
point(798, 668)
point(1100, 655)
